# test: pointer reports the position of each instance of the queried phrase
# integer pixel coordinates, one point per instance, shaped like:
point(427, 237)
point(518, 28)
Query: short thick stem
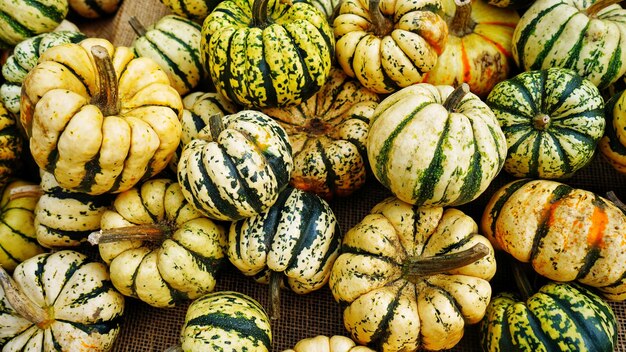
point(259, 13)
point(592, 11)
point(26, 191)
point(22, 304)
point(275, 280)
point(382, 26)
point(454, 99)
point(137, 27)
point(151, 233)
point(215, 127)
point(462, 23)
point(541, 122)
point(416, 268)
point(107, 97)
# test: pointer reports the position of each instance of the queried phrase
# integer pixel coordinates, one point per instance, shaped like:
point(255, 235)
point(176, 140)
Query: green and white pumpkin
point(159, 248)
point(236, 166)
point(432, 146)
point(295, 241)
point(226, 321)
point(267, 53)
point(552, 120)
point(173, 42)
point(22, 19)
point(59, 302)
point(24, 58)
point(586, 36)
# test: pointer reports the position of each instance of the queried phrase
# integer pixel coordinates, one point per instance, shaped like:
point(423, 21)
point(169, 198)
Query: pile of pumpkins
point(226, 129)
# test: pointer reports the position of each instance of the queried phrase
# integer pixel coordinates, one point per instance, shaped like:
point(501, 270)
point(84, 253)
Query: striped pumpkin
point(557, 317)
point(226, 321)
point(296, 241)
point(236, 166)
point(267, 53)
point(94, 8)
point(18, 239)
point(412, 277)
point(173, 42)
point(196, 10)
point(67, 304)
point(566, 234)
point(11, 146)
point(586, 36)
point(99, 118)
point(22, 19)
point(389, 44)
point(432, 146)
point(199, 107)
point(613, 144)
point(552, 120)
point(24, 58)
point(323, 343)
point(159, 248)
point(64, 218)
point(328, 133)
point(478, 48)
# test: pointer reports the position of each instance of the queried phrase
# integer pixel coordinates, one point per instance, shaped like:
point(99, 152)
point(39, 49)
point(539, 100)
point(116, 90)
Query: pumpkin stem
point(106, 99)
point(610, 195)
point(275, 279)
point(541, 122)
point(382, 26)
point(521, 279)
point(34, 191)
point(462, 23)
point(151, 232)
point(415, 268)
point(215, 127)
point(592, 11)
point(454, 99)
point(137, 27)
point(22, 304)
point(259, 14)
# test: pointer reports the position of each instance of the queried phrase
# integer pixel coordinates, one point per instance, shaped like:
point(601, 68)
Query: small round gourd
point(226, 321)
point(434, 147)
point(236, 166)
point(328, 133)
point(323, 343)
point(58, 302)
point(552, 120)
point(412, 277)
point(159, 248)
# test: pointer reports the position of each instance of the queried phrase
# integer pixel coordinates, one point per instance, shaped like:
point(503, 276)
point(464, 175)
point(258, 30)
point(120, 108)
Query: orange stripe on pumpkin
point(595, 235)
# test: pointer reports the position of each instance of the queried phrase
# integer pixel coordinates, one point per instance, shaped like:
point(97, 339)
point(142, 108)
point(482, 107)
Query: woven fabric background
point(149, 329)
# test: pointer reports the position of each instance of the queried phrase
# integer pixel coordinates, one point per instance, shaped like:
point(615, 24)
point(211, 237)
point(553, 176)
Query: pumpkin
point(296, 239)
point(432, 146)
point(18, 239)
point(328, 133)
point(478, 48)
point(323, 343)
point(236, 166)
point(60, 301)
point(159, 248)
point(199, 107)
point(566, 233)
point(266, 53)
point(65, 218)
point(11, 147)
point(585, 36)
point(99, 118)
point(226, 321)
point(22, 19)
point(552, 120)
point(94, 8)
point(412, 277)
point(24, 58)
point(174, 43)
point(557, 317)
point(388, 45)
point(196, 10)
point(613, 144)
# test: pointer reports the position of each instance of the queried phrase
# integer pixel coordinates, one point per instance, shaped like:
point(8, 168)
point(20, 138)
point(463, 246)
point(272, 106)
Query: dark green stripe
point(21, 30)
point(72, 235)
point(331, 177)
point(206, 264)
point(547, 46)
point(574, 54)
point(563, 156)
point(560, 192)
point(100, 328)
point(554, 88)
point(170, 63)
point(533, 163)
point(434, 171)
point(527, 31)
point(495, 210)
point(542, 340)
point(613, 68)
point(310, 213)
point(473, 178)
point(48, 11)
point(380, 336)
point(239, 324)
point(272, 218)
point(310, 85)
